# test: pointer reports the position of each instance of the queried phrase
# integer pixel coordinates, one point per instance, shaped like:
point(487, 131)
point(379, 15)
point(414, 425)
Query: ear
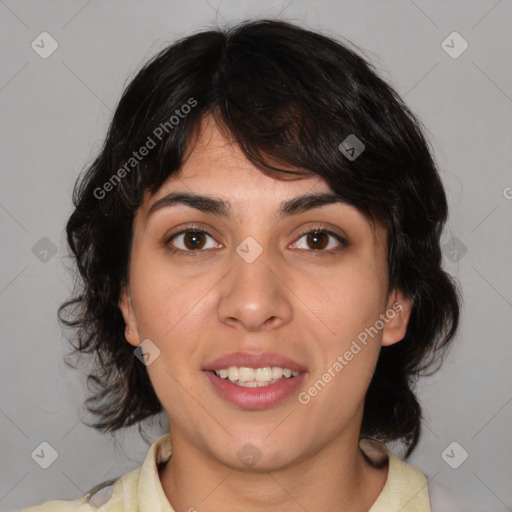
point(398, 312)
point(125, 305)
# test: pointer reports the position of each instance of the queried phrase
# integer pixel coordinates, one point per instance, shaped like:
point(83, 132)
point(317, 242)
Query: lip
point(253, 360)
point(255, 398)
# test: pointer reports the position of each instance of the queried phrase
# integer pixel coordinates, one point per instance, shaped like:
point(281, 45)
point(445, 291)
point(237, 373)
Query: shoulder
point(124, 494)
point(112, 496)
point(406, 487)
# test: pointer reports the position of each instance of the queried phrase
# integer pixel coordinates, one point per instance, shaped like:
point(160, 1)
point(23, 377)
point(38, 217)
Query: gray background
point(54, 114)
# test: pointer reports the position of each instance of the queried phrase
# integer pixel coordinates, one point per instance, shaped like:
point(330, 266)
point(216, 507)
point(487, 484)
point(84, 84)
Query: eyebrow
point(221, 208)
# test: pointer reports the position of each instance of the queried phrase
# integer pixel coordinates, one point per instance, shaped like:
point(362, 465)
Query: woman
point(258, 247)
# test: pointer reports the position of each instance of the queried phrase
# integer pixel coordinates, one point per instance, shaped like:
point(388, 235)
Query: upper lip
point(253, 360)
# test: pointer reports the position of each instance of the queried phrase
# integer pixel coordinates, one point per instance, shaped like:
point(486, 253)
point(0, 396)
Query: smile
point(253, 394)
point(255, 377)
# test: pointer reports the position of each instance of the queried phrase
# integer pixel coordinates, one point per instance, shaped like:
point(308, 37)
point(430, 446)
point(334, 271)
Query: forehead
point(215, 165)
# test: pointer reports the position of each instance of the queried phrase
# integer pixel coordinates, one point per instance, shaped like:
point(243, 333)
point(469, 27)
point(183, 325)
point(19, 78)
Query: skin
point(302, 302)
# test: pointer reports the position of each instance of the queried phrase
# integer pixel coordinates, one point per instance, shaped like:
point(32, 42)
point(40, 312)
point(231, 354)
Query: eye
point(320, 240)
point(192, 240)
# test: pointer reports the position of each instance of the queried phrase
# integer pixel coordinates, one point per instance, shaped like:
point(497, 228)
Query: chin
point(258, 456)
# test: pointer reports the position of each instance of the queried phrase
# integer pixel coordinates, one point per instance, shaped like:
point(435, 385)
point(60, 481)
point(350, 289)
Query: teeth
point(255, 377)
point(245, 374)
point(254, 384)
point(277, 372)
point(232, 373)
point(263, 374)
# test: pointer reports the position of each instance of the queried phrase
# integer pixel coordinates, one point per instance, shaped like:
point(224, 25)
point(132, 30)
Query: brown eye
point(320, 240)
point(317, 240)
point(192, 241)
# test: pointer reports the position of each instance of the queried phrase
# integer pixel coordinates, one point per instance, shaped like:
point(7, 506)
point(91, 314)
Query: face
point(252, 290)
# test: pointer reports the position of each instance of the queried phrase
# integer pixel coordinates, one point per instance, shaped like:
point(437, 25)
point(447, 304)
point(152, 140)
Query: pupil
point(314, 237)
point(194, 239)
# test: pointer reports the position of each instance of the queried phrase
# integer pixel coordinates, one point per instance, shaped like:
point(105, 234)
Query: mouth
point(254, 381)
point(255, 377)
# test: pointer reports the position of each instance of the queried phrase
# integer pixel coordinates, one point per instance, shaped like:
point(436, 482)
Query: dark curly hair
point(289, 97)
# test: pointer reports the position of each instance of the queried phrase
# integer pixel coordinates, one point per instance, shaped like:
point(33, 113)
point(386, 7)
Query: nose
point(254, 297)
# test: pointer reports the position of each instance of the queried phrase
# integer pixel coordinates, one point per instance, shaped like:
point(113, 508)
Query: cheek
point(170, 312)
point(349, 305)
point(349, 300)
point(164, 296)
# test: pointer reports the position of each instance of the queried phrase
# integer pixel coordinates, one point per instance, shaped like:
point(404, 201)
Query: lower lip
point(255, 398)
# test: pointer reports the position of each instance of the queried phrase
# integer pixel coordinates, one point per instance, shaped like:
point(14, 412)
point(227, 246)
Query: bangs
point(288, 113)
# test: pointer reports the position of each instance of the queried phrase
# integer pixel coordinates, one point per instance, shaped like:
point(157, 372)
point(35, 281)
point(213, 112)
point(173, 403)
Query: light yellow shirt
point(140, 490)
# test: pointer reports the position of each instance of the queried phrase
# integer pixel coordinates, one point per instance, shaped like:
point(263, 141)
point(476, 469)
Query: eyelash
point(320, 252)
